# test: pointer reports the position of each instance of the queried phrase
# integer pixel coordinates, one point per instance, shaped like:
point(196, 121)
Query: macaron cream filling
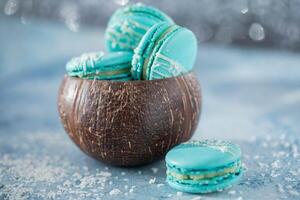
point(206, 175)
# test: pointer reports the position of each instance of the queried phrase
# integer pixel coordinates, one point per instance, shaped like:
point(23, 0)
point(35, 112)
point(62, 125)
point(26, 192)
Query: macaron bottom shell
point(98, 66)
point(109, 73)
point(195, 187)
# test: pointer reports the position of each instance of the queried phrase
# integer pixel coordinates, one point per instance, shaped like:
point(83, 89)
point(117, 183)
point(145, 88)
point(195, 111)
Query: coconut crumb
point(152, 180)
point(179, 193)
point(115, 191)
point(154, 170)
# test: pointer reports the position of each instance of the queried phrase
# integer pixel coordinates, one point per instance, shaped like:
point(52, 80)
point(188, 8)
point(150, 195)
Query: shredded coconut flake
point(115, 191)
point(152, 180)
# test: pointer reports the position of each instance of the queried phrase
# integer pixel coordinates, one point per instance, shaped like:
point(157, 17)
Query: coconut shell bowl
point(129, 123)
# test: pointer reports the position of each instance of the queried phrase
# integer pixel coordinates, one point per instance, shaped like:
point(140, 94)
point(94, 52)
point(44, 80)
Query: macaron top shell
point(128, 25)
point(203, 155)
point(97, 62)
point(140, 8)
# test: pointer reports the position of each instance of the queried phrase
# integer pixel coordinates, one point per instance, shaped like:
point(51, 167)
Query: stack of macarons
point(143, 43)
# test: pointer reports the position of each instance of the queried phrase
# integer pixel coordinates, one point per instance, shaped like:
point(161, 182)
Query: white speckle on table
point(103, 173)
point(295, 152)
point(139, 172)
point(280, 188)
point(160, 185)
point(179, 193)
point(289, 187)
point(77, 175)
point(262, 165)
point(132, 189)
point(114, 191)
point(276, 164)
point(288, 179)
point(274, 174)
point(294, 173)
point(67, 183)
point(232, 192)
point(196, 198)
point(152, 180)
point(85, 168)
point(264, 145)
point(123, 173)
point(51, 195)
point(294, 192)
point(154, 170)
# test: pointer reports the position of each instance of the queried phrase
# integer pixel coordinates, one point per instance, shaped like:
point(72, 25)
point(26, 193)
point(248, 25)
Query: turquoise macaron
point(203, 166)
point(100, 66)
point(127, 26)
point(166, 50)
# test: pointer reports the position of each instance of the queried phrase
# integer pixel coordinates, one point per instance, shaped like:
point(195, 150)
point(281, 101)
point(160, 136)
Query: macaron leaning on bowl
point(127, 26)
point(166, 50)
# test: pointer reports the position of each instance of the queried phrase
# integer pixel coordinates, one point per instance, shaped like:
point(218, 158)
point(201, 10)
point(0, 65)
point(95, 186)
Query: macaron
point(166, 50)
point(203, 166)
point(127, 26)
point(97, 65)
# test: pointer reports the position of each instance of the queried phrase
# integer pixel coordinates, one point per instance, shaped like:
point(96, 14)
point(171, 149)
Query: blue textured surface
point(250, 96)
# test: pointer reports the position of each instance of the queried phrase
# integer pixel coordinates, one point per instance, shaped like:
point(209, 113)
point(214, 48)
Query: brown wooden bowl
point(129, 123)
